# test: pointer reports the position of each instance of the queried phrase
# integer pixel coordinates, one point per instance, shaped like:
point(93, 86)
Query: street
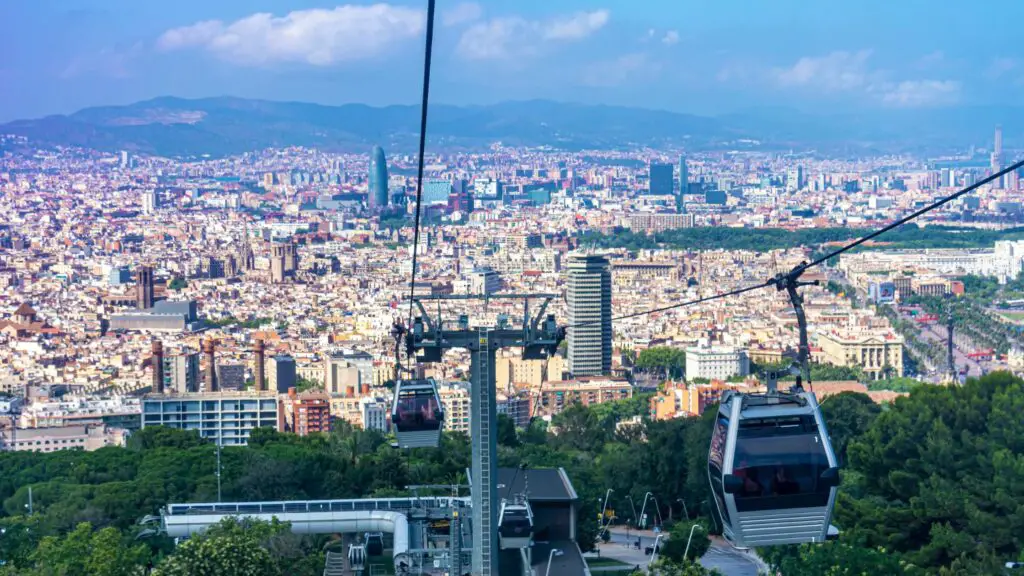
point(721, 555)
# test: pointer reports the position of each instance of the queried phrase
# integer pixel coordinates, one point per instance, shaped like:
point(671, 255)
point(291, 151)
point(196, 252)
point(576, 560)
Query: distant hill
point(221, 126)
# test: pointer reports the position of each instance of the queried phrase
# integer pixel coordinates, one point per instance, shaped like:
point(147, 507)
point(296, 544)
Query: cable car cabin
point(417, 414)
point(374, 543)
point(515, 525)
point(772, 469)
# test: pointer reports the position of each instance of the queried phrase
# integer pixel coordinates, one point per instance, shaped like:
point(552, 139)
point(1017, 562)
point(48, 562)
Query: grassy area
point(595, 561)
point(1013, 316)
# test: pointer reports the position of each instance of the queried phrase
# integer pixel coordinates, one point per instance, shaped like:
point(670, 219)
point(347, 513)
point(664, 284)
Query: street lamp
point(690, 539)
point(633, 506)
point(644, 507)
point(551, 556)
point(654, 552)
point(683, 502)
point(605, 506)
point(657, 508)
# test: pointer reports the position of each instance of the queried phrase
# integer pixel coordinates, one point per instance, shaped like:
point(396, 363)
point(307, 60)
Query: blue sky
point(705, 57)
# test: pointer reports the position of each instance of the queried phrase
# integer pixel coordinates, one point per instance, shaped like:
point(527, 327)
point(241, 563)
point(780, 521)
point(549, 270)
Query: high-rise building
point(377, 193)
point(150, 201)
point(684, 184)
point(181, 373)
point(282, 373)
point(997, 155)
point(144, 288)
point(660, 179)
point(590, 315)
point(436, 191)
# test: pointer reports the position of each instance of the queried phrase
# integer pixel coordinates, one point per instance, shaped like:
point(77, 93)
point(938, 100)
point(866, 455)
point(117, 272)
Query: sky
point(703, 57)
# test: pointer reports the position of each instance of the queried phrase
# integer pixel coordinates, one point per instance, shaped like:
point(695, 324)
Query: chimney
point(157, 363)
point(210, 380)
point(258, 348)
point(365, 389)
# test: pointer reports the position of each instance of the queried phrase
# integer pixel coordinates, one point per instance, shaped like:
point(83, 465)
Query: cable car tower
point(538, 338)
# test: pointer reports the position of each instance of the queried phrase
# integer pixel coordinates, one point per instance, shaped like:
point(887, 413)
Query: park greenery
point(765, 239)
point(667, 361)
point(931, 485)
point(253, 324)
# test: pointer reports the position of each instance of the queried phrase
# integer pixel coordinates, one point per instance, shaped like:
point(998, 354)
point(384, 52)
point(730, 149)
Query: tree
point(835, 559)
point(238, 547)
point(675, 546)
point(507, 432)
point(83, 552)
point(665, 567)
point(666, 360)
point(178, 283)
point(847, 416)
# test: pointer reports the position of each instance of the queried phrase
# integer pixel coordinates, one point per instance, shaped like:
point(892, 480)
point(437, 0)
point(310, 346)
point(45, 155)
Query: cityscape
point(305, 347)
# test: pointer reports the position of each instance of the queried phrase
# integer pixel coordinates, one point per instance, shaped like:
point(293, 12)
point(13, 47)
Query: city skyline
point(873, 56)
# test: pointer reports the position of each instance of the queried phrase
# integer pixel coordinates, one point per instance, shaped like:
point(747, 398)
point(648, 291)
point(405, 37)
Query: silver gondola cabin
point(515, 524)
point(417, 414)
point(772, 470)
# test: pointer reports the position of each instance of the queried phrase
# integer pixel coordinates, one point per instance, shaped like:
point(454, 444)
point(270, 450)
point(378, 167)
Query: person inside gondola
point(782, 485)
point(751, 482)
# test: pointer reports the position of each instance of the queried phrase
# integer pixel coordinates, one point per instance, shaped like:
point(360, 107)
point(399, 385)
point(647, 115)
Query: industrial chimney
point(210, 379)
point(157, 363)
point(258, 348)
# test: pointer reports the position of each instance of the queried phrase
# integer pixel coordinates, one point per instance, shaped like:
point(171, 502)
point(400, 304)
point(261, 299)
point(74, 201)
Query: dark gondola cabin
point(417, 414)
point(772, 470)
point(515, 525)
point(374, 543)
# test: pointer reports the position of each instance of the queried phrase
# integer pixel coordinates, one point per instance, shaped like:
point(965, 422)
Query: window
point(780, 461)
point(715, 458)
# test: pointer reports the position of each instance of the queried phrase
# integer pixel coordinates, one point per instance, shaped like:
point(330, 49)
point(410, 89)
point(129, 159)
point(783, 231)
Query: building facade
point(589, 297)
point(226, 418)
point(716, 363)
point(377, 192)
point(877, 353)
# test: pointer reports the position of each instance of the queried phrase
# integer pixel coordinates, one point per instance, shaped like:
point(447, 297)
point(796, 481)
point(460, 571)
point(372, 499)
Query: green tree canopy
point(663, 359)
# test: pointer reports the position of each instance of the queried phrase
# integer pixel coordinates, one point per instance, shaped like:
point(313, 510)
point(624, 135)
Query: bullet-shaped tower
point(258, 349)
point(210, 378)
point(157, 364)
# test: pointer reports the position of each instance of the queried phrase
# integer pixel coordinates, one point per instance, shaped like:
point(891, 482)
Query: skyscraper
point(377, 193)
point(660, 179)
point(590, 315)
point(144, 288)
point(684, 184)
point(997, 155)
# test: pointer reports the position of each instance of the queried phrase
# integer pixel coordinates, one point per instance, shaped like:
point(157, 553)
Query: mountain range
point(222, 126)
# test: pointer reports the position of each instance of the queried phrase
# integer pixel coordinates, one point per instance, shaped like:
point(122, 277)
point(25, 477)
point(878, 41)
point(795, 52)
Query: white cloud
point(577, 26)
point(462, 14)
point(110, 62)
point(833, 72)
point(1000, 67)
point(625, 68)
point(850, 73)
point(918, 93)
point(318, 37)
point(516, 37)
point(671, 37)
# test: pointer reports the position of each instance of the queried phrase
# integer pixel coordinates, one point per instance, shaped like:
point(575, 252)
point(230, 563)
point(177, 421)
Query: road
point(721, 556)
point(937, 333)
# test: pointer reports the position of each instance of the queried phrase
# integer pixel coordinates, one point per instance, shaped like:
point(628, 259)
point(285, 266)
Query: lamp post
point(644, 507)
point(690, 539)
point(605, 505)
point(683, 502)
point(657, 508)
point(633, 506)
point(551, 556)
point(654, 551)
